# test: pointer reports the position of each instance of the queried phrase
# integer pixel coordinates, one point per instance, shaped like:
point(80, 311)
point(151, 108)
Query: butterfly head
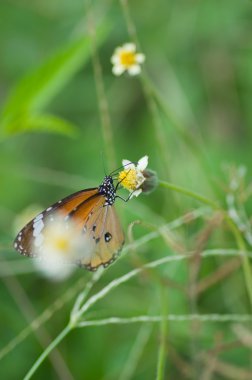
point(107, 189)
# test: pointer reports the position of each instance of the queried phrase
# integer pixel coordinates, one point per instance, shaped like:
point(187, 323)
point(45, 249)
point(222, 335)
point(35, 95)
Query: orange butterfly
point(93, 213)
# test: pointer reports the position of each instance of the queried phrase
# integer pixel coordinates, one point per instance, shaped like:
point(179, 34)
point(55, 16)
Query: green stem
point(189, 193)
point(46, 352)
point(150, 99)
point(129, 23)
point(106, 125)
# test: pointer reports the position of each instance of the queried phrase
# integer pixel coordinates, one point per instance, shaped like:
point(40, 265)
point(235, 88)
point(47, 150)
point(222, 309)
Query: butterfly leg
point(125, 200)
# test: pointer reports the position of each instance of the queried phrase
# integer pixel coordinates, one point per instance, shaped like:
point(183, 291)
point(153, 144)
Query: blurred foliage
point(37, 90)
point(199, 61)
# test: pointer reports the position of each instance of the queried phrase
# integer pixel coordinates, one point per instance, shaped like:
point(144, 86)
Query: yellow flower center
point(57, 242)
point(61, 244)
point(128, 179)
point(127, 58)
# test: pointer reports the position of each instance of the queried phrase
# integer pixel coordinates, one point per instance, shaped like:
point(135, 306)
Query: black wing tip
point(19, 247)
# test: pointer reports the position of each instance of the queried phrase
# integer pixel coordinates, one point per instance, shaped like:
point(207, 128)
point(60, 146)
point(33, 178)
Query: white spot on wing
point(38, 240)
point(49, 209)
point(38, 217)
point(37, 227)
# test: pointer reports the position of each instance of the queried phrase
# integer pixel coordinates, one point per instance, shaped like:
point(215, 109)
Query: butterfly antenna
point(115, 172)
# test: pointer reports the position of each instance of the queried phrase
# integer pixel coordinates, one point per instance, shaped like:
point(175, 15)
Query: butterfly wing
point(32, 232)
point(90, 214)
point(107, 237)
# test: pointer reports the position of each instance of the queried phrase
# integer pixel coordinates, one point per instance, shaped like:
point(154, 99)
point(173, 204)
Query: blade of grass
point(36, 90)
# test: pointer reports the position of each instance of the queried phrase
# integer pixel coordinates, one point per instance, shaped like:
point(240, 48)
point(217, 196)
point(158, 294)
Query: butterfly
point(93, 212)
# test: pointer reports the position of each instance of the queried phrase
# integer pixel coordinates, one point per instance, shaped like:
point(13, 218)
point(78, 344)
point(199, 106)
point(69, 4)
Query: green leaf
point(35, 91)
point(45, 123)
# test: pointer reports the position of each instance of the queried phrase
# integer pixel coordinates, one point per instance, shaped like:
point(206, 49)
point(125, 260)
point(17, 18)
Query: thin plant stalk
point(214, 318)
point(157, 123)
point(189, 193)
point(163, 337)
point(129, 23)
point(106, 125)
point(47, 351)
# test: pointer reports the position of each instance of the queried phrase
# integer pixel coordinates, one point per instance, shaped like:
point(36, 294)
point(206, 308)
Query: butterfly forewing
point(31, 233)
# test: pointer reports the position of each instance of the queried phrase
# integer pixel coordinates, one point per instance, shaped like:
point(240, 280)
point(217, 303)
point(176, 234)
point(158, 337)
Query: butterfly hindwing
point(106, 235)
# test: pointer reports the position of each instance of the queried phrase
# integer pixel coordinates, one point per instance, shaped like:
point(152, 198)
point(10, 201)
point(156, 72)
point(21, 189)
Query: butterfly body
point(93, 213)
point(108, 190)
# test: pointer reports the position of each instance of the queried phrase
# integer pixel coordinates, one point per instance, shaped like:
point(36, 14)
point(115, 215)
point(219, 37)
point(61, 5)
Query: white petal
point(115, 59)
point(142, 163)
point(140, 58)
point(118, 70)
point(128, 164)
point(140, 179)
point(136, 193)
point(134, 70)
point(118, 50)
point(129, 47)
point(55, 270)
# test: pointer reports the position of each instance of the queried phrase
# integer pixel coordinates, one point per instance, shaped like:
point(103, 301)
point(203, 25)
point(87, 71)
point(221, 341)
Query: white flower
point(125, 58)
point(132, 177)
point(58, 246)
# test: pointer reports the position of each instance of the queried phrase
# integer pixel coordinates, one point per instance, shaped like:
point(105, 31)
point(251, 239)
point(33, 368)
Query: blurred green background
point(195, 126)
